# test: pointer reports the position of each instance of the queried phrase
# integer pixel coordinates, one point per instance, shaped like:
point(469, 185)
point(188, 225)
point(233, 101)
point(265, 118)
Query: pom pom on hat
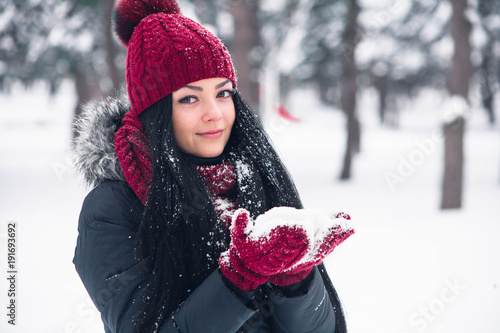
point(129, 13)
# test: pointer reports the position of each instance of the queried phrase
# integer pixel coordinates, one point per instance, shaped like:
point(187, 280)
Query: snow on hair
point(129, 13)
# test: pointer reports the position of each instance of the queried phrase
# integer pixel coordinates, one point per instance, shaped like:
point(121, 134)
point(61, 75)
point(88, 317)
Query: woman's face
point(202, 116)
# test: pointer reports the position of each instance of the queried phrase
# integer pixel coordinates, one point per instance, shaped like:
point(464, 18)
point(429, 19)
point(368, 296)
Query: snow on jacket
point(104, 256)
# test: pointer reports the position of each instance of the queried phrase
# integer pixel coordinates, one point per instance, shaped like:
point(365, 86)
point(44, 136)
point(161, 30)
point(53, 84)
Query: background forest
point(336, 47)
point(387, 109)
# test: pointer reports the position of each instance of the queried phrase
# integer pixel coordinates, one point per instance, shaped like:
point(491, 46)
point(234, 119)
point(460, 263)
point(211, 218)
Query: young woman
point(194, 224)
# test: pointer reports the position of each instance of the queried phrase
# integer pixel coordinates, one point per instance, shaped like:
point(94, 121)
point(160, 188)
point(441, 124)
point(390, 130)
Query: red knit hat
point(165, 52)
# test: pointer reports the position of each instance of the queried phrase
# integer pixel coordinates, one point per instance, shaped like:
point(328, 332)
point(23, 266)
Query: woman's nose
point(212, 111)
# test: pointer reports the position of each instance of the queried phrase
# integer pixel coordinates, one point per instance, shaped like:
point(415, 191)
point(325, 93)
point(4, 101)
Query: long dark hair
point(180, 231)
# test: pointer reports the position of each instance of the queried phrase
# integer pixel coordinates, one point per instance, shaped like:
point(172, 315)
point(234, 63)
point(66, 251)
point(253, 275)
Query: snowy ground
point(409, 268)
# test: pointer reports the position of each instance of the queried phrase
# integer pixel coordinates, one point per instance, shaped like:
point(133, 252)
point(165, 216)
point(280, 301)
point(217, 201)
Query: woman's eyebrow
point(220, 85)
point(201, 89)
point(193, 87)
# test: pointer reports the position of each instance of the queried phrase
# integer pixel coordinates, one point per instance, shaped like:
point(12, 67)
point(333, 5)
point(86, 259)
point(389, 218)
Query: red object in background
point(283, 112)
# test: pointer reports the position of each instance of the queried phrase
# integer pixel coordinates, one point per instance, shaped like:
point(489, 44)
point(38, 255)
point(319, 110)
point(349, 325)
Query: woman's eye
point(187, 99)
point(225, 93)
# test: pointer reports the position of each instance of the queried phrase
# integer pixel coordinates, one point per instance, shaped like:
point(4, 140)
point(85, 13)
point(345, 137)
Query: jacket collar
point(94, 150)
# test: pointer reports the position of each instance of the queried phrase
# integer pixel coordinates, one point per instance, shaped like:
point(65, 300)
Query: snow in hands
point(280, 246)
point(324, 231)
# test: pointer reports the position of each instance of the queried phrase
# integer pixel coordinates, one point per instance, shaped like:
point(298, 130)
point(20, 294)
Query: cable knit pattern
point(168, 51)
point(134, 156)
point(220, 180)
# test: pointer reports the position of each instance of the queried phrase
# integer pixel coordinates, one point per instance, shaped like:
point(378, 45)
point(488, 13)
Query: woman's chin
point(209, 152)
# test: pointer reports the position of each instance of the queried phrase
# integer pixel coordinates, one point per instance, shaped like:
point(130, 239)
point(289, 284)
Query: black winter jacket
point(104, 257)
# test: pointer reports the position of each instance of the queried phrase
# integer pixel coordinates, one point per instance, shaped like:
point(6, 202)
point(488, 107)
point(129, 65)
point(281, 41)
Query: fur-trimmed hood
point(94, 149)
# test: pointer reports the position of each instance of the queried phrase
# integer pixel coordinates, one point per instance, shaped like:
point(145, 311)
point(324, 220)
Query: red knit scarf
point(220, 180)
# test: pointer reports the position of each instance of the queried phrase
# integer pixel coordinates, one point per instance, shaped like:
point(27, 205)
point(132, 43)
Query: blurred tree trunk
point(380, 84)
point(486, 71)
point(206, 11)
point(87, 88)
point(245, 48)
point(349, 88)
point(458, 84)
point(109, 44)
point(86, 79)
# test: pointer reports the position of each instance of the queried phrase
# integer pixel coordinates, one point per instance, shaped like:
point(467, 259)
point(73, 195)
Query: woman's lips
point(213, 134)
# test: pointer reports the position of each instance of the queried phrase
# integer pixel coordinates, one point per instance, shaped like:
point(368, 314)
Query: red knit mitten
point(255, 253)
point(328, 234)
